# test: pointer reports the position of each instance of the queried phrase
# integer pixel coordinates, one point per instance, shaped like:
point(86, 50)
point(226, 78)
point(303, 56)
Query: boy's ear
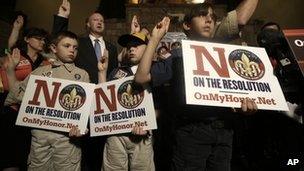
point(186, 26)
point(53, 48)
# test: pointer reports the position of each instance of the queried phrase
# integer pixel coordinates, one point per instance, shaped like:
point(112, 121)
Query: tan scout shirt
point(227, 27)
point(58, 69)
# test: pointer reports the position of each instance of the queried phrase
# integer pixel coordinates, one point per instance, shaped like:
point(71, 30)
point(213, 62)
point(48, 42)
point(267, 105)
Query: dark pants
point(15, 141)
point(203, 147)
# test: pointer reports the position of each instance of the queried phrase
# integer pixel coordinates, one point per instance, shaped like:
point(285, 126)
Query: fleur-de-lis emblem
point(72, 100)
point(246, 67)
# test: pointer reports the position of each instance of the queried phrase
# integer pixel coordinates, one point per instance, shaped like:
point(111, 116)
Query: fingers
point(248, 106)
point(75, 132)
point(137, 130)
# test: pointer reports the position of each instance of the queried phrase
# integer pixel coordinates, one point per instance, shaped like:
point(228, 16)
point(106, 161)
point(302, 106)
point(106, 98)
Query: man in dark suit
point(91, 48)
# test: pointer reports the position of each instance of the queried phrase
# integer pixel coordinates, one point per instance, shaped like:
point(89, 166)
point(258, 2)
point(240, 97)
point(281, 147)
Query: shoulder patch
point(77, 76)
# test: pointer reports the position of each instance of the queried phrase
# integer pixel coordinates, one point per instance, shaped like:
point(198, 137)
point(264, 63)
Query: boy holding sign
point(128, 151)
point(203, 134)
point(52, 150)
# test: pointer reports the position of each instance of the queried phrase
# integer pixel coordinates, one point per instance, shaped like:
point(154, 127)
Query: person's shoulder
point(81, 71)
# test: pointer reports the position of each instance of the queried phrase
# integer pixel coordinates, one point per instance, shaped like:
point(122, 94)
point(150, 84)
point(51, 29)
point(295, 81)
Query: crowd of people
point(189, 137)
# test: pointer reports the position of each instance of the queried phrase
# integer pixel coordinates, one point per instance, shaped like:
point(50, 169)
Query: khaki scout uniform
point(51, 150)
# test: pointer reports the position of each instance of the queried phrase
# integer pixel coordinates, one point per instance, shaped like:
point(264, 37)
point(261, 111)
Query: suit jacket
point(86, 57)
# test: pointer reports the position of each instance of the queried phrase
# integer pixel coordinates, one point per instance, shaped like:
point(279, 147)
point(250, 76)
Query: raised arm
point(61, 21)
point(17, 26)
point(245, 10)
point(143, 75)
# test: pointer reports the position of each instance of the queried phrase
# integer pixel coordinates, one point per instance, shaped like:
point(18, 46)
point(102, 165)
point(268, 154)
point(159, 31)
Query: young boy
point(128, 151)
point(51, 150)
point(203, 135)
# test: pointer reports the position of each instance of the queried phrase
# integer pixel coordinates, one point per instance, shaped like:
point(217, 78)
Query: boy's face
point(202, 25)
point(66, 49)
point(135, 53)
point(96, 23)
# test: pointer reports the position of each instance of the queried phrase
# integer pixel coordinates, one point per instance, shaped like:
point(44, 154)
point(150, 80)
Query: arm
point(143, 75)
point(18, 24)
point(60, 22)
point(245, 10)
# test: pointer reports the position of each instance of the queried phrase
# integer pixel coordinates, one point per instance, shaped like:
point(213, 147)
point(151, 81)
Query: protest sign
point(55, 104)
point(223, 75)
point(121, 105)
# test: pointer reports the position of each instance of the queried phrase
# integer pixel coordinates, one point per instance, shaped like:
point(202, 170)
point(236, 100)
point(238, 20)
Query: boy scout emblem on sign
point(128, 97)
point(246, 64)
point(72, 97)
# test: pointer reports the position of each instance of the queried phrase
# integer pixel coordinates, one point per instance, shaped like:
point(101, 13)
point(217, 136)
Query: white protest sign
point(55, 104)
point(222, 75)
point(120, 106)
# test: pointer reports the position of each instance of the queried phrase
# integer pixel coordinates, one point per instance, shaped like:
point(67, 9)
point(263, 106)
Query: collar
point(68, 66)
point(134, 69)
point(93, 38)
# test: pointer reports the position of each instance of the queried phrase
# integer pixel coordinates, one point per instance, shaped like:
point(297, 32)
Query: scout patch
point(77, 76)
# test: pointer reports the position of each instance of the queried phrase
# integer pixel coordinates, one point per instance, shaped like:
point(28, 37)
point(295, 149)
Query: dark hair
point(28, 33)
point(58, 37)
point(95, 12)
point(35, 32)
point(270, 24)
point(198, 10)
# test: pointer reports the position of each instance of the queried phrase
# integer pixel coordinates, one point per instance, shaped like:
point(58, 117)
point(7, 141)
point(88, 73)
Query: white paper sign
point(119, 107)
point(223, 75)
point(55, 104)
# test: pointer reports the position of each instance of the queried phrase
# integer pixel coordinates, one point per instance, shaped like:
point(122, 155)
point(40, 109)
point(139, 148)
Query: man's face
point(66, 49)
point(135, 53)
point(96, 23)
point(202, 25)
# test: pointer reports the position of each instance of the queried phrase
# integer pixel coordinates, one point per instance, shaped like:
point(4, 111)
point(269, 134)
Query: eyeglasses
point(39, 38)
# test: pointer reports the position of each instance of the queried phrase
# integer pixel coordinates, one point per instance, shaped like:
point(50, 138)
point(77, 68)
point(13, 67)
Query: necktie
point(97, 49)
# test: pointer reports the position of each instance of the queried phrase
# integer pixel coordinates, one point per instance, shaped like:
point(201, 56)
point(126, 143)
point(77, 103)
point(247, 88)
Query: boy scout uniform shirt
point(57, 69)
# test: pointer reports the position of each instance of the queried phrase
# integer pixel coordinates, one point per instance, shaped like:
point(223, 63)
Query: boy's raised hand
point(18, 23)
point(104, 61)
point(161, 28)
point(64, 9)
point(135, 27)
